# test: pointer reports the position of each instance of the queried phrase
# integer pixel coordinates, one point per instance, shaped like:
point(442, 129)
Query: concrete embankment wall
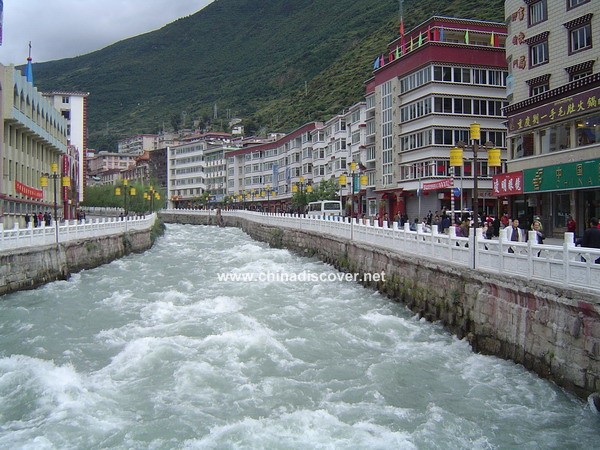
point(551, 331)
point(31, 267)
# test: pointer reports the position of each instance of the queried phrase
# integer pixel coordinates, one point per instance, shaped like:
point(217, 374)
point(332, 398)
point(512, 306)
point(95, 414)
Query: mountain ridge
point(276, 63)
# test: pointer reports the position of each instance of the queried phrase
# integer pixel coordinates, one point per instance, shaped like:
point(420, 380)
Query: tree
point(176, 121)
point(324, 190)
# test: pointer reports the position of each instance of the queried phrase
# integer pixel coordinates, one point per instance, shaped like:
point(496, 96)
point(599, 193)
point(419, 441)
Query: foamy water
point(152, 351)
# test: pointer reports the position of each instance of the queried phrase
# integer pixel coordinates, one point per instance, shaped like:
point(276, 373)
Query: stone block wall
point(32, 267)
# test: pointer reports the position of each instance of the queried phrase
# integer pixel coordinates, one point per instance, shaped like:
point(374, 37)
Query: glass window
point(575, 3)
point(538, 54)
point(538, 12)
point(580, 38)
point(523, 145)
point(539, 89)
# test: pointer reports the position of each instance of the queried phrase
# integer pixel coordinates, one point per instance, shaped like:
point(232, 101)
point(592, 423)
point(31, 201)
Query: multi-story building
point(263, 176)
point(33, 140)
point(554, 111)
point(103, 161)
point(138, 144)
point(186, 173)
point(425, 92)
point(73, 107)
point(197, 167)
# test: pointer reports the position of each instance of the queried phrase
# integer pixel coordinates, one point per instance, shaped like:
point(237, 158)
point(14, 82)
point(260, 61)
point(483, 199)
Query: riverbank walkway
point(555, 262)
point(71, 230)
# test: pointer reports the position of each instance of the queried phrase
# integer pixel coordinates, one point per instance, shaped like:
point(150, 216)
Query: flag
point(492, 39)
point(29, 71)
point(29, 68)
point(401, 26)
point(467, 37)
point(1, 18)
point(376, 63)
point(397, 52)
point(382, 60)
point(441, 33)
point(411, 44)
point(420, 39)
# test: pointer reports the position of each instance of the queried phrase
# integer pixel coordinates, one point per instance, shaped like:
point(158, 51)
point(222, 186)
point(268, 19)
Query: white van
point(324, 208)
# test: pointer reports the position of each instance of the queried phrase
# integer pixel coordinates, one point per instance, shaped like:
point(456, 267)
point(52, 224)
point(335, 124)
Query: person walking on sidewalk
point(591, 236)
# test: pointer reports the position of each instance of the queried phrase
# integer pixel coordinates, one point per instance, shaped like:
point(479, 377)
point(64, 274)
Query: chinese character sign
point(507, 184)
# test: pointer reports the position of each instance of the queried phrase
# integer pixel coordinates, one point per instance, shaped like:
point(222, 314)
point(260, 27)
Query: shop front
point(554, 192)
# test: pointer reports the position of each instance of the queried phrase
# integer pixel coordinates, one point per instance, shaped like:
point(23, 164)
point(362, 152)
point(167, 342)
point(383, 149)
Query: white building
point(73, 107)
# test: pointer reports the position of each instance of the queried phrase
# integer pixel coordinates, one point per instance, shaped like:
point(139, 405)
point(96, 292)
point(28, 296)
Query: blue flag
point(1, 18)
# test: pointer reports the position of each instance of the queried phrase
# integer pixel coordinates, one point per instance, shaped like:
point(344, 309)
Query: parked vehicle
point(324, 208)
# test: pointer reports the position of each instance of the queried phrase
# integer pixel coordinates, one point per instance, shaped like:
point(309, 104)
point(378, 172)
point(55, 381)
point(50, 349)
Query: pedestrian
point(591, 236)
point(539, 234)
point(571, 224)
point(515, 234)
point(27, 219)
point(496, 227)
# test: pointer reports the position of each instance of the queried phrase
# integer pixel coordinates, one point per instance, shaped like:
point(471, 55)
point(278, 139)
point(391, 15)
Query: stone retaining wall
point(551, 331)
point(32, 267)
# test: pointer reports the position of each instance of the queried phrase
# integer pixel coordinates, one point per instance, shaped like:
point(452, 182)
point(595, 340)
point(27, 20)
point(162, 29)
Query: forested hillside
point(274, 63)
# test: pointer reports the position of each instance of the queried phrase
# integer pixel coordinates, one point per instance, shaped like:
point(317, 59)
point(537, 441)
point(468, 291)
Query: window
point(580, 38)
point(538, 54)
point(538, 12)
point(539, 89)
point(580, 33)
point(575, 3)
point(539, 85)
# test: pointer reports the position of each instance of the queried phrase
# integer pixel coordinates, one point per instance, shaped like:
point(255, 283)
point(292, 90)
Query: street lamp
point(343, 179)
point(362, 182)
point(301, 188)
point(150, 195)
point(269, 191)
point(456, 159)
point(44, 183)
point(128, 191)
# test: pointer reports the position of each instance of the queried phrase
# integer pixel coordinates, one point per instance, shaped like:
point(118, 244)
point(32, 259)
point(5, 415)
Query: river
point(168, 350)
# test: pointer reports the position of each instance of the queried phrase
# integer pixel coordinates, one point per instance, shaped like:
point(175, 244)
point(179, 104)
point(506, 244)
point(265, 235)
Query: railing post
point(568, 243)
point(531, 239)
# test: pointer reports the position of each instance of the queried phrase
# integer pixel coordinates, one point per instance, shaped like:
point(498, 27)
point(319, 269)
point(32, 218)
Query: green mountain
point(275, 63)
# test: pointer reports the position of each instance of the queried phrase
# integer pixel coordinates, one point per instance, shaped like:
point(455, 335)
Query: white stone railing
point(563, 265)
point(70, 230)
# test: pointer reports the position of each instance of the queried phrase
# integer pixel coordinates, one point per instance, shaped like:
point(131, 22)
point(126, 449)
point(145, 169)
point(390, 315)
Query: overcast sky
point(65, 28)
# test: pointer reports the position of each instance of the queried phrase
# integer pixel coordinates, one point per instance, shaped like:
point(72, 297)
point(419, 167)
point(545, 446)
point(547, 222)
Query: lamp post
point(44, 183)
point(456, 159)
point(355, 168)
point(268, 191)
point(128, 191)
point(301, 188)
point(150, 195)
point(342, 183)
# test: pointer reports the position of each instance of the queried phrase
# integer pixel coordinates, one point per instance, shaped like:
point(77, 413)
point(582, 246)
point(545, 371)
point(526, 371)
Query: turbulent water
point(154, 351)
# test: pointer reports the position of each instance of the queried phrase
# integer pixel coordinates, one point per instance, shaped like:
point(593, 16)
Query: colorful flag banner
point(376, 63)
point(467, 37)
point(1, 18)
